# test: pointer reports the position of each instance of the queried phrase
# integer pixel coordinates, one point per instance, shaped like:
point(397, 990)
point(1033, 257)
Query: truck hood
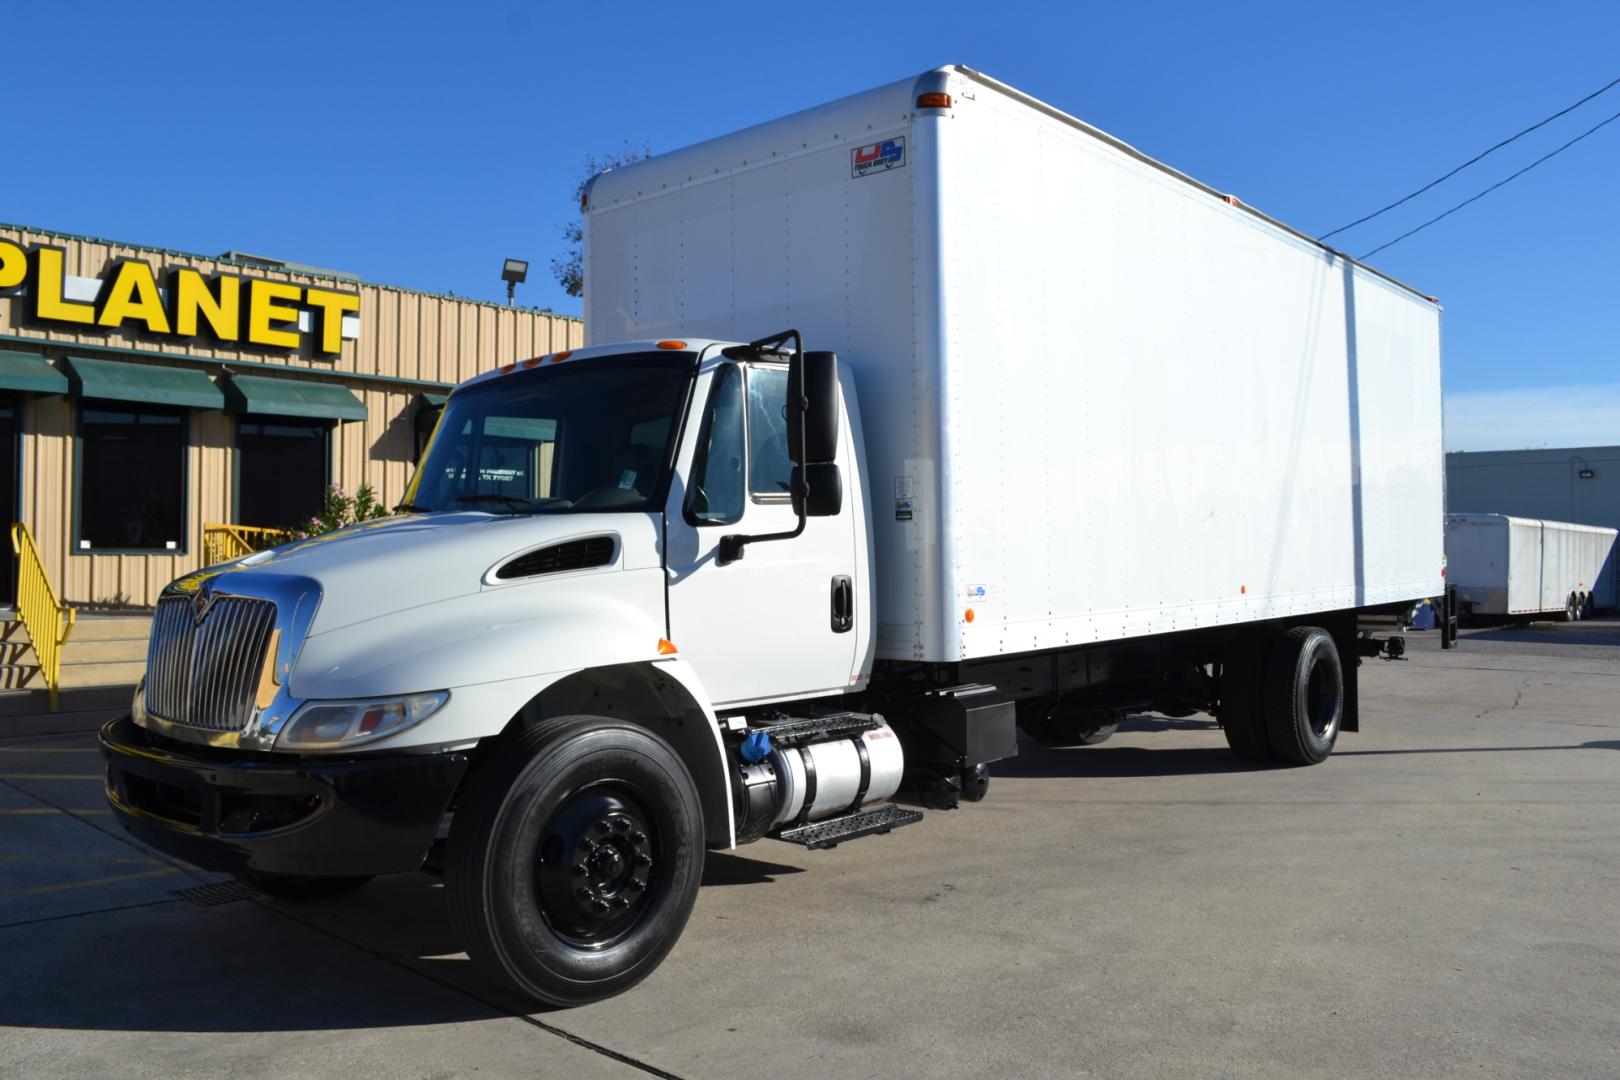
point(377, 568)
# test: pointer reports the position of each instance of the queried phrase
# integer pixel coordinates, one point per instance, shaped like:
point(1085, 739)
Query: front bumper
point(233, 811)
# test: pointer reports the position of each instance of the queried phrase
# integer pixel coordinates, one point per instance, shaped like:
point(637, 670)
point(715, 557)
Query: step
point(103, 650)
point(114, 673)
point(834, 831)
point(110, 627)
point(20, 675)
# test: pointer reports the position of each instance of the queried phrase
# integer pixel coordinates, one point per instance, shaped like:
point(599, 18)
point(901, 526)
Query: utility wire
point(1472, 160)
point(1493, 187)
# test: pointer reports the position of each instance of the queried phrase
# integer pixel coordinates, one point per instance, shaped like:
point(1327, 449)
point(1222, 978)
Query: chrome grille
point(206, 674)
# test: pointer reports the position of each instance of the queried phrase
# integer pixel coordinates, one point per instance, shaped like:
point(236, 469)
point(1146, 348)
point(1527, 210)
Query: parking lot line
point(40, 890)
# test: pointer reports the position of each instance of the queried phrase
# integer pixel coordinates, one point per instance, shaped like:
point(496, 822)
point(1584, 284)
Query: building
point(1580, 484)
point(145, 393)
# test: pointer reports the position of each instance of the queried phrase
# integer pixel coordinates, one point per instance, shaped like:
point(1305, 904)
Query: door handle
point(843, 604)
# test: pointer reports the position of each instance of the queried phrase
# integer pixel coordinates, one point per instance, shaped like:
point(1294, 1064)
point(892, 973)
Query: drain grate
point(215, 894)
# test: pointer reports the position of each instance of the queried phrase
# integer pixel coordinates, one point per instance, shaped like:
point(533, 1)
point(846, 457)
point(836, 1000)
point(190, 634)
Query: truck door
point(765, 626)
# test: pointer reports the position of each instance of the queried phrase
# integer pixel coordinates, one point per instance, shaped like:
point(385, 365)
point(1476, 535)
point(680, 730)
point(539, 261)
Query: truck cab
point(622, 550)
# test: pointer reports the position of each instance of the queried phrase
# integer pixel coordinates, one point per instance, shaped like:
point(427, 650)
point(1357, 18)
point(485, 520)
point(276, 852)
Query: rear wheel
point(1304, 699)
point(1241, 707)
point(1572, 609)
point(574, 861)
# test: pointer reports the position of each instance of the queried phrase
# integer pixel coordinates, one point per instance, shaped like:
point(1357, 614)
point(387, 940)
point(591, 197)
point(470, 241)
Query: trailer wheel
point(1572, 610)
point(1241, 704)
point(1588, 606)
point(1304, 695)
point(574, 860)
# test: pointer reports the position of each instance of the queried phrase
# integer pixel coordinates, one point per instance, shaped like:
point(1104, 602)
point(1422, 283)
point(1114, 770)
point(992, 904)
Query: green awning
point(30, 371)
point(432, 401)
point(292, 397)
point(116, 380)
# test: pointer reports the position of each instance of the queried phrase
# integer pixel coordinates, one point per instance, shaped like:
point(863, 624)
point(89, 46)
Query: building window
point(282, 465)
point(132, 477)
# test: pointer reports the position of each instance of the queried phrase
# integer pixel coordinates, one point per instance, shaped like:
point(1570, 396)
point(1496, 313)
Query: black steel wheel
point(299, 889)
point(1304, 695)
point(574, 859)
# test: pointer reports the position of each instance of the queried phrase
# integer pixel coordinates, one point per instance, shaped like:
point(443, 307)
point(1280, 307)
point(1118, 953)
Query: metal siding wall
point(403, 335)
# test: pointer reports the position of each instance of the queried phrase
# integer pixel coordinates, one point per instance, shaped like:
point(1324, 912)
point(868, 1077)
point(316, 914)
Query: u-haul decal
point(877, 157)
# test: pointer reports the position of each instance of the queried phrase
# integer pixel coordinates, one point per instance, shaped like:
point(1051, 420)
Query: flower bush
point(339, 510)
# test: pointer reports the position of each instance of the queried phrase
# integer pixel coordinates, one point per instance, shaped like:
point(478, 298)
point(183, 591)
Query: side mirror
point(826, 494)
point(814, 381)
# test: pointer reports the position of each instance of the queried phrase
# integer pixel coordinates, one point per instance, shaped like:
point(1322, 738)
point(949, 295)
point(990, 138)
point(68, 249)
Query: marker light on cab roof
point(672, 344)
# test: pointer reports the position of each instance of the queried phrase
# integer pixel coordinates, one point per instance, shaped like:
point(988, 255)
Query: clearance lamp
point(513, 273)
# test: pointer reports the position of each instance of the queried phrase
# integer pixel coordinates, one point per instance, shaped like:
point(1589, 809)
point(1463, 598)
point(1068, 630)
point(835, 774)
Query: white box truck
point(1504, 566)
point(1056, 433)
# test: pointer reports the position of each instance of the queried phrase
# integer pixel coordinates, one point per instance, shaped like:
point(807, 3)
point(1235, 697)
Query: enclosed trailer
point(1102, 400)
point(1504, 565)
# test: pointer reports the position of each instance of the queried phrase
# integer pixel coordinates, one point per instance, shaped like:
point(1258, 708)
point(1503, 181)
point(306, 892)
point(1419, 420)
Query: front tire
point(574, 860)
point(1304, 695)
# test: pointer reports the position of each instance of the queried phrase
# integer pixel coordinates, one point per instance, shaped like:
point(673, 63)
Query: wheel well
point(643, 695)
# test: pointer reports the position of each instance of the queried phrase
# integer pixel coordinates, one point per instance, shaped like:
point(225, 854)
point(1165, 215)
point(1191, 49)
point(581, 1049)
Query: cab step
point(834, 831)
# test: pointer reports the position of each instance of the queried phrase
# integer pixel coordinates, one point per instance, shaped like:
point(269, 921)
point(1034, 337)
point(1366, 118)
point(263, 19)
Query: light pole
point(513, 273)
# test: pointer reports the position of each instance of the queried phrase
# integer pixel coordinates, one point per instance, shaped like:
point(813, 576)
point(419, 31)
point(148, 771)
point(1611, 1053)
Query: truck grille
point(206, 674)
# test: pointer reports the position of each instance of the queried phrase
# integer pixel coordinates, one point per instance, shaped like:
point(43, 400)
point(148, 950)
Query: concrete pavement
point(1438, 899)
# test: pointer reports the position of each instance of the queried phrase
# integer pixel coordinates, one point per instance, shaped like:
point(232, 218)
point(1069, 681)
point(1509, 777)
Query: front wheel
point(574, 861)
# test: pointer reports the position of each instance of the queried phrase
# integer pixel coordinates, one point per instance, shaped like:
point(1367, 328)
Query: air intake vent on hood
point(573, 555)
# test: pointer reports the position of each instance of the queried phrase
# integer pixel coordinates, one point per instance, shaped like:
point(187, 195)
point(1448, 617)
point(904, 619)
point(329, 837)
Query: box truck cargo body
point(909, 423)
point(1502, 565)
point(1102, 400)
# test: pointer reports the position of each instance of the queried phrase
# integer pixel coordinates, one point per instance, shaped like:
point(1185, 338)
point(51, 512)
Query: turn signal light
point(933, 101)
point(533, 360)
point(557, 358)
point(666, 647)
point(672, 344)
point(507, 369)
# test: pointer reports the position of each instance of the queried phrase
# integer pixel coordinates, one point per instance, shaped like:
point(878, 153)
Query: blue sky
point(421, 144)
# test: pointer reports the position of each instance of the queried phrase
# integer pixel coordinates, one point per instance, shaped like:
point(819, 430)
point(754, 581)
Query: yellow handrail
point(39, 609)
point(223, 542)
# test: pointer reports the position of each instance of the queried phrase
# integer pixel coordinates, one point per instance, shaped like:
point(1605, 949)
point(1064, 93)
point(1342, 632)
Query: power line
point(1472, 160)
point(1493, 187)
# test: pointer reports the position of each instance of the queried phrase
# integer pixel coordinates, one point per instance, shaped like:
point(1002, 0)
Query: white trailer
point(1104, 401)
point(1503, 565)
point(1054, 433)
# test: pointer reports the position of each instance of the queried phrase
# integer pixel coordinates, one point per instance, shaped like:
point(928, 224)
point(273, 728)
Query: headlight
point(329, 725)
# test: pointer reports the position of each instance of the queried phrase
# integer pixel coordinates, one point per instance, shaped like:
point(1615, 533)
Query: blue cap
point(756, 748)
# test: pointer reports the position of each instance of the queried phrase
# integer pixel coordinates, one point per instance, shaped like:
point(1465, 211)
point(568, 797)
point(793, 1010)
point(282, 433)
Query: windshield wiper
point(490, 496)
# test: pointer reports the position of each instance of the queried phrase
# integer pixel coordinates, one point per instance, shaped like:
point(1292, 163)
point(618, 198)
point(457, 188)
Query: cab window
point(770, 472)
point(716, 497)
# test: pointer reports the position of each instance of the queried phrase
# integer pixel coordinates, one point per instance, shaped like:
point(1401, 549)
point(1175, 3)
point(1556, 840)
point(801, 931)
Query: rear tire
point(574, 860)
point(1571, 609)
point(1304, 700)
point(1242, 703)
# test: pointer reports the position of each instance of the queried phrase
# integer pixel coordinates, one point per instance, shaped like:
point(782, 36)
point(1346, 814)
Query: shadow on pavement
point(1601, 744)
point(724, 868)
point(1035, 761)
point(236, 967)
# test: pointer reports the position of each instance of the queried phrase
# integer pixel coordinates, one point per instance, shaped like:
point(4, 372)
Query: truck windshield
point(589, 436)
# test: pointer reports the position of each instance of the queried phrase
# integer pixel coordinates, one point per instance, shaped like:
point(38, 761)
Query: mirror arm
point(731, 547)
